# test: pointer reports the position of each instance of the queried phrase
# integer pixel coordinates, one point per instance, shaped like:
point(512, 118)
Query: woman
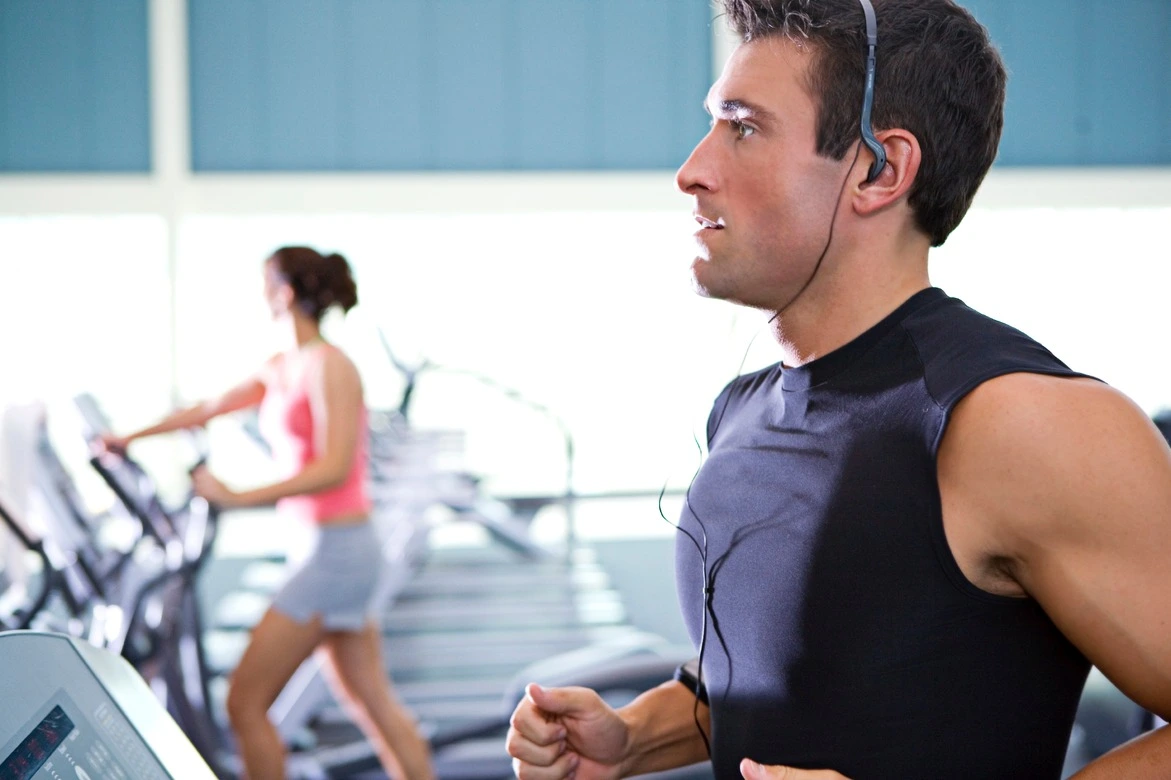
point(314, 417)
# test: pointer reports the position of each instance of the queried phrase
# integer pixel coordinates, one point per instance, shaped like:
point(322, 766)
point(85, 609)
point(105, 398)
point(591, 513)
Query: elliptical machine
point(22, 616)
point(170, 653)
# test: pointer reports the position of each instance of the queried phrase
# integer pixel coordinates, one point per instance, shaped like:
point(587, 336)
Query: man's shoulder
point(1038, 413)
point(1020, 402)
point(961, 349)
point(1065, 484)
point(951, 324)
point(1036, 442)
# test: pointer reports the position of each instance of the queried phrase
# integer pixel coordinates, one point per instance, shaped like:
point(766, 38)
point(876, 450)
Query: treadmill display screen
point(66, 745)
point(38, 747)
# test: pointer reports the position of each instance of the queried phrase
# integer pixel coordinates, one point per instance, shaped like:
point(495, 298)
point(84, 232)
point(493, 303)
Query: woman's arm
point(248, 393)
point(335, 402)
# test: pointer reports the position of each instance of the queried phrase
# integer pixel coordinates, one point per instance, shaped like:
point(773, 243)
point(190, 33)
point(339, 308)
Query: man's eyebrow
point(741, 109)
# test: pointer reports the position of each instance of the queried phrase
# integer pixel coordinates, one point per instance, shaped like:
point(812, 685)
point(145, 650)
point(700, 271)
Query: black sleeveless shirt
point(842, 633)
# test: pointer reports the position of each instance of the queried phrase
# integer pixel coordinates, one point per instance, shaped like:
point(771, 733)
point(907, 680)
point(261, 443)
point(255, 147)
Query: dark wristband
point(688, 674)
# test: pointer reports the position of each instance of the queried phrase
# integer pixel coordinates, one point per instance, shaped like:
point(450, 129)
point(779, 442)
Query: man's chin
point(700, 281)
point(715, 293)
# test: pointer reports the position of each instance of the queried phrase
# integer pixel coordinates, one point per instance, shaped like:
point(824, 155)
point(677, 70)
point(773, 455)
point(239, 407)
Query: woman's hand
point(108, 442)
point(754, 771)
point(213, 491)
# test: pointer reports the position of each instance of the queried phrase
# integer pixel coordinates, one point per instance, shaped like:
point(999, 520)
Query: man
point(909, 543)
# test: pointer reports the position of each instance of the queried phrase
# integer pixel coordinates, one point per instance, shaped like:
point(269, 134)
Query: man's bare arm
point(1070, 485)
point(559, 731)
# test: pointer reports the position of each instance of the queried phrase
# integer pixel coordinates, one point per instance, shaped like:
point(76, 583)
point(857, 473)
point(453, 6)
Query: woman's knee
point(278, 646)
point(246, 702)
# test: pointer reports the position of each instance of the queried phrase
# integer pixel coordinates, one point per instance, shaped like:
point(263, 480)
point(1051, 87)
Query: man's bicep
point(1098, 557)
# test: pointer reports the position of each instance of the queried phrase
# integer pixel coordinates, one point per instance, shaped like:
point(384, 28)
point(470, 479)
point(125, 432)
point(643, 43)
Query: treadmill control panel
point(69, 711)
point(66, 744)
point(44, 746)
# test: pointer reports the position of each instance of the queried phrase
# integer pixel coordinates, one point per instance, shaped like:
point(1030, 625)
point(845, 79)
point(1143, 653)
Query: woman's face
point(278, 294)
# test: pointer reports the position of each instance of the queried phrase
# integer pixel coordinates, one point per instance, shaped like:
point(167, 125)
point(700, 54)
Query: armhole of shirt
point(943, 551)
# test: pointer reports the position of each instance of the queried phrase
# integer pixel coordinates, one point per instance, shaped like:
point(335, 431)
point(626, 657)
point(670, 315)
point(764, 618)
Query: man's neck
point(840, 312)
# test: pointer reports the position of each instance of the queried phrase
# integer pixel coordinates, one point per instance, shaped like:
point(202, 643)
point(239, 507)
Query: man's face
point(764, 200)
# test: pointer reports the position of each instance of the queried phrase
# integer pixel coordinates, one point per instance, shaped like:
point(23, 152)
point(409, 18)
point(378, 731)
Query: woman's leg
point(278, 646)
point(360, 681)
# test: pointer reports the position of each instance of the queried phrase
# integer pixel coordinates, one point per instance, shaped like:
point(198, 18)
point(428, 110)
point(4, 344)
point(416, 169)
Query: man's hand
point(754, 771)
point(566, 732)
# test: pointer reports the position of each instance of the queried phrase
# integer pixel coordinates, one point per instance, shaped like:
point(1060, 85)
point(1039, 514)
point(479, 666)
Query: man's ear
point(903, 157)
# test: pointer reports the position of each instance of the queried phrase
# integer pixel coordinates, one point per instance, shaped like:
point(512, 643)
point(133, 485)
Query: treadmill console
point(73, 712)
point(59, 745)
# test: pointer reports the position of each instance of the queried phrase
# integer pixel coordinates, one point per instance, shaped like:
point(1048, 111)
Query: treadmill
point(74, 711)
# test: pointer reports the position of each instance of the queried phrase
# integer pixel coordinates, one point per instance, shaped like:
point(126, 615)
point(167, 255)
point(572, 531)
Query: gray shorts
point(339, 578)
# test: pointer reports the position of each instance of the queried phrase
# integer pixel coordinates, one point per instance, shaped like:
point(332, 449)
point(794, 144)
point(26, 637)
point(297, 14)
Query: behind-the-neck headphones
point(868, 138)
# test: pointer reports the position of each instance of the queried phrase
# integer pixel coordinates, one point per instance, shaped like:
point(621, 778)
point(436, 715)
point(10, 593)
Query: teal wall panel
point(656, 72)
point(74, 86)
point(304, 85)
point(562, 127)
point(507, 84)
point(388, 126)
point(305, 54)
point(1128, 81)
point(231, 125)
point(1088, 80)
point(472, 96)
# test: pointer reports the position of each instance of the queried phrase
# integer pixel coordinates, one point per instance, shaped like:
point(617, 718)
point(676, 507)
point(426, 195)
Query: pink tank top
point(286, 420)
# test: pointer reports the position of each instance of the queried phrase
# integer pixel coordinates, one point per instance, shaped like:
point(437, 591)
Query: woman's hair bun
point(318, 281)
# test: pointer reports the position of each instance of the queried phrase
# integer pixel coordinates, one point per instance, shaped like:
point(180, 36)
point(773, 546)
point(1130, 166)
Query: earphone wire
point(708, 576)
point(708, 585)
point(708, 589)
point(833, 220)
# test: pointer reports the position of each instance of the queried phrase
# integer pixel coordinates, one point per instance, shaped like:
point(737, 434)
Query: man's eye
point(742, 130)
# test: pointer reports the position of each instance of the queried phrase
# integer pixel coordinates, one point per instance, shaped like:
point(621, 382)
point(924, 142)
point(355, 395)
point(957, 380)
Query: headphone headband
point(867, 127)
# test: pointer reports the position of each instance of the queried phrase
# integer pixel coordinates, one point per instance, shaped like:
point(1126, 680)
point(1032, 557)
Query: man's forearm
point(1147, 756)
point(663, 732)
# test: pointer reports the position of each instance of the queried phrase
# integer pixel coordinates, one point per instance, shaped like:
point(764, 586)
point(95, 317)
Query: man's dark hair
point(938, 77)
